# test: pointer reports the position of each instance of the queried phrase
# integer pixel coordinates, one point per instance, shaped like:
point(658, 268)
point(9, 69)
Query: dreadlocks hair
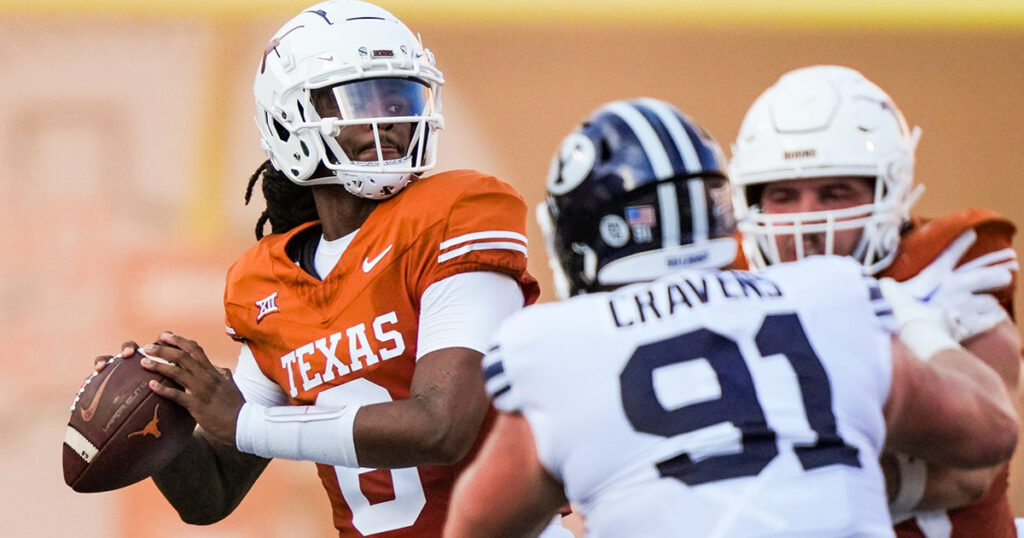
point(288, 204)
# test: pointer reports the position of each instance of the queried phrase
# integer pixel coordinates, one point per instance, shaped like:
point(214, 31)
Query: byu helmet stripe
point(648, 138)
point(668, 204)
point(698, 210)
point(675, 157)
point(679, 135)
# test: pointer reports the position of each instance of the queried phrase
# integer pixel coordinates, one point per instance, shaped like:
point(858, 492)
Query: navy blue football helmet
point(635, 192)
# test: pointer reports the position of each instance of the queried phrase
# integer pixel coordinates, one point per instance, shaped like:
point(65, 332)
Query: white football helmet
point(825, 121)
point(348, 64)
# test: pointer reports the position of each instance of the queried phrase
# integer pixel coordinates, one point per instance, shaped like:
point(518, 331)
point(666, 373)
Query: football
point(120, 431)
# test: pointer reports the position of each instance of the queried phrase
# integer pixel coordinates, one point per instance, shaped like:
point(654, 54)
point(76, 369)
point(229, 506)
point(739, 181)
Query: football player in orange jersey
point(823, 164)
point(364, 315)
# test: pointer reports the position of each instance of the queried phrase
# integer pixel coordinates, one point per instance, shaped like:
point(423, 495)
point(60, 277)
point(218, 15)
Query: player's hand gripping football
point(209, 394)
point(961, 291)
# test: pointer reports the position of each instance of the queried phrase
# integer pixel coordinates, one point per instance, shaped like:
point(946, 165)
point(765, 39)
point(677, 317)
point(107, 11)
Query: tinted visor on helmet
point(358, 101)
point(380, 122)
point(376, 98)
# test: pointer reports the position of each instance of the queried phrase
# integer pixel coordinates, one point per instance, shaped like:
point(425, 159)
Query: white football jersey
point(710, 404)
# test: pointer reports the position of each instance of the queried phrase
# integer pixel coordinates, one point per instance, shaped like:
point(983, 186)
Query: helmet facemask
point(376, 133)
point(878, 222)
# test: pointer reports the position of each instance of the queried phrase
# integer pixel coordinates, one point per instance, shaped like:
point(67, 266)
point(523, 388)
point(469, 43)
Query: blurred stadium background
point(128, 140)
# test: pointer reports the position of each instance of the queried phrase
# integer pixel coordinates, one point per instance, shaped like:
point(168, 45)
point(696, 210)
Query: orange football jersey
point(991, 515)
point(352, 337)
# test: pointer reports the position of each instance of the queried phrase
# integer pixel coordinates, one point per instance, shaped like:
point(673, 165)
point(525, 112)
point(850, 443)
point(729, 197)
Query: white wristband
point(926, 339)
point(913, 478)
point(305, 433)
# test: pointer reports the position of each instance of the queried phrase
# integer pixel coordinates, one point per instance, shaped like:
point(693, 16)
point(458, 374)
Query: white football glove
point(924, 328)
point(959, 291)
point(971, 315)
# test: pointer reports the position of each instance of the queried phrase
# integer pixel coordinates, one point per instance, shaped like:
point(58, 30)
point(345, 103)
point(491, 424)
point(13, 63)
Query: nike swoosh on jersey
point(369, 264)
point(88, 412)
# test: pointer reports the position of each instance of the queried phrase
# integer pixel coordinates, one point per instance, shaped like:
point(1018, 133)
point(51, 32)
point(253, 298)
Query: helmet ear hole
point(282, 133)
point(606, 150)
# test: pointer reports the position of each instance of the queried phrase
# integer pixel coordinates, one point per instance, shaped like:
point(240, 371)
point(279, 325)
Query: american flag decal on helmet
point(642, 215)
point(489, 240)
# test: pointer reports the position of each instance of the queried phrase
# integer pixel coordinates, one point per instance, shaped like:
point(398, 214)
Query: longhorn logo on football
point(151, 428)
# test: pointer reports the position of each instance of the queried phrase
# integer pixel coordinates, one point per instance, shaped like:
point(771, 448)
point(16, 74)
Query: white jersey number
point(408, 501)
point(738, 404)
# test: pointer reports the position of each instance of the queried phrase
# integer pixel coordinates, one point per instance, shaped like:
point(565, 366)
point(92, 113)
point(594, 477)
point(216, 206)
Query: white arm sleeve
point(302, 433)
point(465, 310)
point(267, 426)
point(256, 387)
